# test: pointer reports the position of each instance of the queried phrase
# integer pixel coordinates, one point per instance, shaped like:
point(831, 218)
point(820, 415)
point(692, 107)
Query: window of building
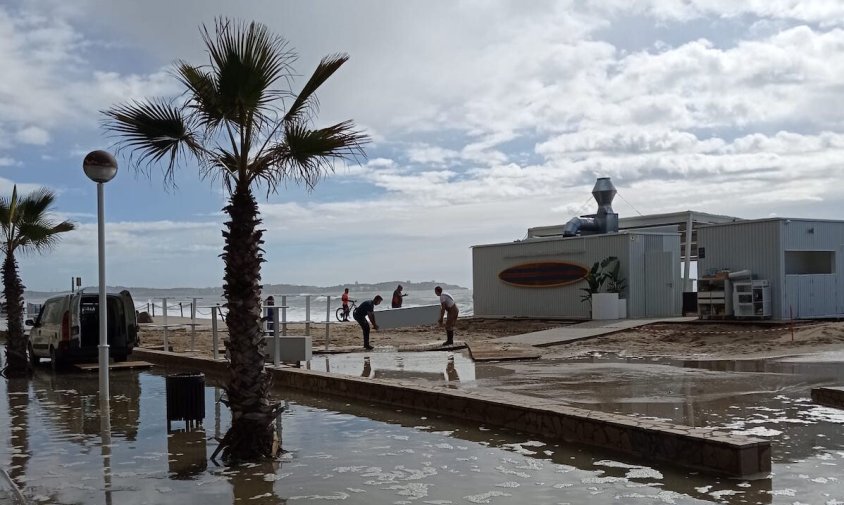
point(809, 262)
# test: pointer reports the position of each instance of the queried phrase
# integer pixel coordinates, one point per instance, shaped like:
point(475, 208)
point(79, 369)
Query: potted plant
point(604, 305)
point(616, 284)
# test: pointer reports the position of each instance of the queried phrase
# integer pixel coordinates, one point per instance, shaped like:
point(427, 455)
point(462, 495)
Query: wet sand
point(690, 340)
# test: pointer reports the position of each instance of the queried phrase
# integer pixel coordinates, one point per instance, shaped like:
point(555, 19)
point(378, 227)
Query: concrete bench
point(292, 348)
point(407, 316)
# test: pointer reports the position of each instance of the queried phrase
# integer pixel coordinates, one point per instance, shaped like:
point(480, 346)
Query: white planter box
point(622, 308)
point(407, 316)
point(292, 348)
point(605, 306)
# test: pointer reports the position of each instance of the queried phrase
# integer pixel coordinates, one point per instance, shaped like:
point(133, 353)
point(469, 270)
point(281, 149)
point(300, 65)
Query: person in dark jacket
point(364, 310)
point(398, 297)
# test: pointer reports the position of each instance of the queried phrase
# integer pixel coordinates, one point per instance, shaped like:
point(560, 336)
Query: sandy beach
point(686, 340)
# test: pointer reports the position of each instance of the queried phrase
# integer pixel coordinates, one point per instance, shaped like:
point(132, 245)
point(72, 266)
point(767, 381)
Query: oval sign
point(545, 274)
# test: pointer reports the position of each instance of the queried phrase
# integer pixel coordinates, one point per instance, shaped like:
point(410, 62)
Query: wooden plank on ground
point(432, 346)
point(490, 351)
point(94, 367)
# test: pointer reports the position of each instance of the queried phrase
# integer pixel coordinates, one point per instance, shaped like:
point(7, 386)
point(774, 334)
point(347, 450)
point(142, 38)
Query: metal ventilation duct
point(604, 221)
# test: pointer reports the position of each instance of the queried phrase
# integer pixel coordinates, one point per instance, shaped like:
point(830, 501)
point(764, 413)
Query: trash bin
point(185, 398)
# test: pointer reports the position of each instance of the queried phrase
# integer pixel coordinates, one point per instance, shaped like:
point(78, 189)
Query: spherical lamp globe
point(100, 166)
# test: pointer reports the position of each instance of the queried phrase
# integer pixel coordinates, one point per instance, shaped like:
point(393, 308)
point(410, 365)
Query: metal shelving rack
point(752, 298)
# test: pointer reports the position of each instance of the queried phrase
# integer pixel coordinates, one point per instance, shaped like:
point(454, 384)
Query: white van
point(68, 328)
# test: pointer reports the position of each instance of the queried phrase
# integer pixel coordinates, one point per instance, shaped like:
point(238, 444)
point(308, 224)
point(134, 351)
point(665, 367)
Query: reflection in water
point(254, 483)
point(74, 399)
point(18, 396)
point(187, 453)
point(433, 366)
point(451, 371)
point(105, 446)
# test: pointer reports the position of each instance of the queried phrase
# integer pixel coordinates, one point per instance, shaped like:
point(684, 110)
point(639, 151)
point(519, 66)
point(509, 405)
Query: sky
point(487, 118)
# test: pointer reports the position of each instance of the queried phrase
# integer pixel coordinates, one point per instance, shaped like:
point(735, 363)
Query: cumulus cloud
point(489, 117)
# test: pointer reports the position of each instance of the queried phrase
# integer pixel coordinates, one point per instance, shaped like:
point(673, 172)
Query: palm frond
point(26, 223)
point(247, 61)
point(40, 237)
point(204, 102)
point(153, 130)
point(306, 155)
point(306, 99)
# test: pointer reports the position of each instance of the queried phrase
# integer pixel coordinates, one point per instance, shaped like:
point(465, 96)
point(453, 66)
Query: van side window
point(50, 313)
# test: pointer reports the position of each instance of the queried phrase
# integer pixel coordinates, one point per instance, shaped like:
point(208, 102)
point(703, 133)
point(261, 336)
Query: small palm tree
point(232, 121)
point(26, 227)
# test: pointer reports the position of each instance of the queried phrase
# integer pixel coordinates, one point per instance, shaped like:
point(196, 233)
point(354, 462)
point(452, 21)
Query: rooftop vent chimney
point(604, 221)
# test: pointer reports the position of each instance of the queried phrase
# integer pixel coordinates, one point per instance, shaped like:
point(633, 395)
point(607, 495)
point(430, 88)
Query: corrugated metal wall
point(760, 247)
point(752, 245)
point(814, 295)
point(663, 282)
point(492, 297)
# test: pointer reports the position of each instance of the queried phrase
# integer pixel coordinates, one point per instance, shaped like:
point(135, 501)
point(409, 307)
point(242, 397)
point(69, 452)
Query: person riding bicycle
point(345, 299)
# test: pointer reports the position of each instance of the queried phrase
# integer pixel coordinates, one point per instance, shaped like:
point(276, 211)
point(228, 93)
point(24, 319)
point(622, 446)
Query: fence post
point(276, 341)
point(284, 316)
point(193, 325)
point(307, 315)
point(164, 310)
point(181, 310)
point(327, 320)
point(214, 341)
point(153, 309)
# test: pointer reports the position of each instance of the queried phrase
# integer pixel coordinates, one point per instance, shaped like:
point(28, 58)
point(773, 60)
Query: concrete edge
point(696, 448)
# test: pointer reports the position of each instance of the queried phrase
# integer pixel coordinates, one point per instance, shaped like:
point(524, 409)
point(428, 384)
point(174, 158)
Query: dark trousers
point(364, 325)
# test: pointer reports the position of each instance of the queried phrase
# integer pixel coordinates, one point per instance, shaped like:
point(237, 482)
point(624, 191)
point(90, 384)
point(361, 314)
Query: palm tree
point(232, 121)
point(26, 226)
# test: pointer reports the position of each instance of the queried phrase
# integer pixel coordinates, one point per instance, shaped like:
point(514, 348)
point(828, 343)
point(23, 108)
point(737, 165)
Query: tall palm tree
point(26, 226)
point(233, 122)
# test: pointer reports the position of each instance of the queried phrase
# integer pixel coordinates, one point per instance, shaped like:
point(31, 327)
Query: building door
point(660, 290)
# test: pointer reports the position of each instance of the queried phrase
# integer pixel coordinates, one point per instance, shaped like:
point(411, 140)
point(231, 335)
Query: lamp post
point(101, 167)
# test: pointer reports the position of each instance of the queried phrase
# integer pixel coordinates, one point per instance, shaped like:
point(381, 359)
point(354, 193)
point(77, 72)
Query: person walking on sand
point(447, 306)
point(398, 297)
point(269, 307)
point(364, 310)
point(345, 299)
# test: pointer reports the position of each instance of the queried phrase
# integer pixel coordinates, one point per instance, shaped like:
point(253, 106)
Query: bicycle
point(339, 313)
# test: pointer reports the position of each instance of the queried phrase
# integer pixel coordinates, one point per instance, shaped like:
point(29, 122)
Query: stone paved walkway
point(582, 331)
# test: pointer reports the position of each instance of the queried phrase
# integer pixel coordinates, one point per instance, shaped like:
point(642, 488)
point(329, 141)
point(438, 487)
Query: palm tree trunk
point(16, 363)
point(251, 435)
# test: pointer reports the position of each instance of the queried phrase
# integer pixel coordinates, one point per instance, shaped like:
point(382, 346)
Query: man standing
point(364, 310)
point(447, 306)
point(398, 297)
point(345, 299)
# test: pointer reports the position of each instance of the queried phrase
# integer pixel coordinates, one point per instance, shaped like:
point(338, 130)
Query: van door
point(131, 320)
point(47, 328)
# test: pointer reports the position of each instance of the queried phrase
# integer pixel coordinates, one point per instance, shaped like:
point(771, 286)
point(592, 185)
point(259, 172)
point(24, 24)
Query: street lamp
point(101, 167)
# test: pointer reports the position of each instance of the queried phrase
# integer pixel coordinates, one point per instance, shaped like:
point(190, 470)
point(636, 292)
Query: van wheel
point(35, 360)
point(55, 362)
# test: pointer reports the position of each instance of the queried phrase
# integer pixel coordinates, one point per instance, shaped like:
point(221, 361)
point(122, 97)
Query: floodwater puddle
point(764, 398)
point(425, 366)
point(59, 449)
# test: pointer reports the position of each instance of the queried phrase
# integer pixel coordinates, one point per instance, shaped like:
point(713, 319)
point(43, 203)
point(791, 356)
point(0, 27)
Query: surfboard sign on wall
point(544, 274)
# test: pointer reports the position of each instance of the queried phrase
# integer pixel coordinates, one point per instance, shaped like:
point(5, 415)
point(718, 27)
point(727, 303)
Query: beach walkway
point(584, 330)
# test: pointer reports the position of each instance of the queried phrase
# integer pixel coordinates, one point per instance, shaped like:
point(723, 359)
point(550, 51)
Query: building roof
point(552, 238)
point(649, 221)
